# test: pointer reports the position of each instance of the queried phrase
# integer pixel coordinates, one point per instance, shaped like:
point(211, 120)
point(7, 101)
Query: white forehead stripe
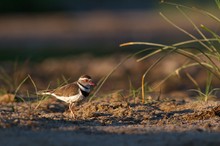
point(84, 79)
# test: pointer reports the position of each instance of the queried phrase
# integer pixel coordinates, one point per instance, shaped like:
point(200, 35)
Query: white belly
point(69, 99)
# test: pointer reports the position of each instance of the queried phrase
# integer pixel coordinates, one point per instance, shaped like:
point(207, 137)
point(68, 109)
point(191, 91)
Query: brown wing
point(67, 90)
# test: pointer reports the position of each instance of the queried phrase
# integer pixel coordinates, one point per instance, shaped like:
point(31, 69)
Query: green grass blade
point(211, 32)
point(208, 82)
point(149, 55)
point(22, 82)
point(170, 47)
point(33, 83)
point(142, 43)
point(187, 33)
point(112, 71)
point(104, 79)
point(196, 28)
point(196, 10)
point(217, 3)
point(207, 14)
point(199, 92)
point(194, 82)
point(149, 69)
point(5, 78)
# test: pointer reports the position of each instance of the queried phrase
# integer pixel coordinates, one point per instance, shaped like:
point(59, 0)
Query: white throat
point(86, 89)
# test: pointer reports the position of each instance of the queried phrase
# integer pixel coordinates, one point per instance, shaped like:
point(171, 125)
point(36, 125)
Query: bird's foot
point(72, 115)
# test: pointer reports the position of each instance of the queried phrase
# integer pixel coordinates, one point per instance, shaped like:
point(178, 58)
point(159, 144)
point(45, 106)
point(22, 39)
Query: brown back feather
point(67, 90)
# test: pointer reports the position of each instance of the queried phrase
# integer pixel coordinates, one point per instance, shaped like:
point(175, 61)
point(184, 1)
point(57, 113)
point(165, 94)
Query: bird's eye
point(86, 80)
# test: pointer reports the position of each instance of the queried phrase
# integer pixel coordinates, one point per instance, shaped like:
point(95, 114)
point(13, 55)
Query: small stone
point(6, 98)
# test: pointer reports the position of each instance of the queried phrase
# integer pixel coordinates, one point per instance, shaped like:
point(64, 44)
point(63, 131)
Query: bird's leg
point(70, 108)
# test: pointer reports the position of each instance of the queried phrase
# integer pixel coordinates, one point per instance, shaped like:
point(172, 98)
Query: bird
point(73, 92)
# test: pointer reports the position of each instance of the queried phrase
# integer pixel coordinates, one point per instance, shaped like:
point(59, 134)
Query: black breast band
point(85, 94)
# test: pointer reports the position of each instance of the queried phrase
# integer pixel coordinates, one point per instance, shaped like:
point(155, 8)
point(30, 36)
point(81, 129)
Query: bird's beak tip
point(92, 84)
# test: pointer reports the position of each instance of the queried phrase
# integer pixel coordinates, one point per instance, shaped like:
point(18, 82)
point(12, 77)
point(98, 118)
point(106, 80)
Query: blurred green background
point(38, 29)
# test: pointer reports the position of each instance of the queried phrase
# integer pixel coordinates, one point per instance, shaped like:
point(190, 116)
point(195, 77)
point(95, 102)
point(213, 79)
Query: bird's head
point(86, 81)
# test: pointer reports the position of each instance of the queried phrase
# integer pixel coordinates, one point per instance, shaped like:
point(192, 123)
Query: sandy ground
point(110, 122)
